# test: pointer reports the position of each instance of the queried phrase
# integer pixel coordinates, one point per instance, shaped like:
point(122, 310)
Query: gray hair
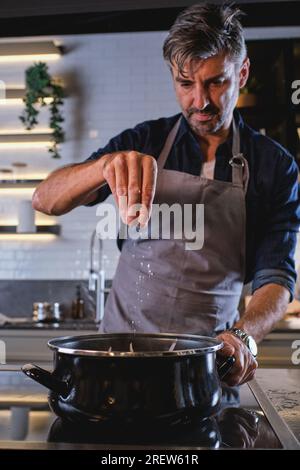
point(204, 30)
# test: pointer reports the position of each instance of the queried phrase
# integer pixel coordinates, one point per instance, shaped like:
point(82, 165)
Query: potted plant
point(249, 93)
point(39, 86)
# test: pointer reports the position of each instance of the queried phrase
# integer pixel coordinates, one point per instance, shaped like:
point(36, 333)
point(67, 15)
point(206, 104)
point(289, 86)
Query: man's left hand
point(245, 364)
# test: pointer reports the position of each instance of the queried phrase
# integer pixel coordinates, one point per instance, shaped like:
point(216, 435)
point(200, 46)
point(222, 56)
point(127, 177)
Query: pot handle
point(46, 378)
point(224, 367)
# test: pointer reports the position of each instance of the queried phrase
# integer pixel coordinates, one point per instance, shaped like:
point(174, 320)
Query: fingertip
point(143, 220)
point(227, 350)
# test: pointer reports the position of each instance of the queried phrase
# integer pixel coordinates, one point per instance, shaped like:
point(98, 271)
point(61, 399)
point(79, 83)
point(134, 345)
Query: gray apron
point(159, 285)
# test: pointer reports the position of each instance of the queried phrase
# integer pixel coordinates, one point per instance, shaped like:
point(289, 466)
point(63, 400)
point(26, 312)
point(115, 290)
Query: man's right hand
point(131, 177)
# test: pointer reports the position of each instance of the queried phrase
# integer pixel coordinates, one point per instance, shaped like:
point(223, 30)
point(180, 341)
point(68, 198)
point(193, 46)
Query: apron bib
point(159, 285)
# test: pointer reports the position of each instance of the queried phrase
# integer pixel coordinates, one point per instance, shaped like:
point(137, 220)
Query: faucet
point(97, 277)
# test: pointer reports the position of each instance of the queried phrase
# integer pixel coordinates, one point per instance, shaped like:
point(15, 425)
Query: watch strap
point(243, 336)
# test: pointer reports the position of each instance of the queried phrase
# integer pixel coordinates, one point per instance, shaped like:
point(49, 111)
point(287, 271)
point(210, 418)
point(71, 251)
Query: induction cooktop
point(246, 420)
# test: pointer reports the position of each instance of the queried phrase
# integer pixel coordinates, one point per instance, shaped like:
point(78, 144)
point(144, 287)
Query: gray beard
point(209, 130)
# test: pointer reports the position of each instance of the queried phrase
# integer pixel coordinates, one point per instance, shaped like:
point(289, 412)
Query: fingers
point(227, 350)
point(121, 181)
point(134, 168)
point(251, 374)
point(236, 374)
point(109, 174)
point(245, 364)
point(243, 369)
point(148, 189)
point(132, 179)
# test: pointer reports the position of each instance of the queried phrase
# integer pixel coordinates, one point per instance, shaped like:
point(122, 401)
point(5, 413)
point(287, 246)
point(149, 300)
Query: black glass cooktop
point(27, 422)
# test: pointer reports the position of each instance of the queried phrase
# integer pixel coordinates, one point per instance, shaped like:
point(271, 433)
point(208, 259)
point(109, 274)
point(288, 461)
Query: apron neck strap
point(168, 145)
point(236, 142)
point(239, 164)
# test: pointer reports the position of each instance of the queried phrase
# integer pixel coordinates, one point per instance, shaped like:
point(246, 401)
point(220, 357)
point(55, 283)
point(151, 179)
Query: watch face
point(252, 346)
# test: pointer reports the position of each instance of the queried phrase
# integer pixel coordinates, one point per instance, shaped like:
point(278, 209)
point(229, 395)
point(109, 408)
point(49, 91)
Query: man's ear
point(244, 72)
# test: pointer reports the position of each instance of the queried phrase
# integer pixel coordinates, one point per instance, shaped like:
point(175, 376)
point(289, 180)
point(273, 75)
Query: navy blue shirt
point(272, 199)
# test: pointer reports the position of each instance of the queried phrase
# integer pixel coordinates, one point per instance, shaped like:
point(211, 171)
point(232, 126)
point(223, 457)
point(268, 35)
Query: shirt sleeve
point(274, 261)
point(130, 139)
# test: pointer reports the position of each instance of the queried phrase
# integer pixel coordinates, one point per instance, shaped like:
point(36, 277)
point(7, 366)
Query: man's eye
point(219, 81)
point(186, 84)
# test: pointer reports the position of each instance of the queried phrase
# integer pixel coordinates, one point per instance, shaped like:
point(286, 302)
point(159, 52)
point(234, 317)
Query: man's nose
point(201, 98)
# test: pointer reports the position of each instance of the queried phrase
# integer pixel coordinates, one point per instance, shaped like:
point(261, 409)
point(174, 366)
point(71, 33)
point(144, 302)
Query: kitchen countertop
point(281, 386)
point(65, 325)
point(291, 324)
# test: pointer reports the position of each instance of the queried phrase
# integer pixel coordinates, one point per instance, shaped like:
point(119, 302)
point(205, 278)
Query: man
point(206, 155)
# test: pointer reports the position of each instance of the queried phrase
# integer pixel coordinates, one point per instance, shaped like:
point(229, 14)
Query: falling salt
point(131, 347)
point(132, 324)
point(172, 347)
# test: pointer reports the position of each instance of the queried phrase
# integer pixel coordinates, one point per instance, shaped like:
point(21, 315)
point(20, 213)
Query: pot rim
point(55, 345)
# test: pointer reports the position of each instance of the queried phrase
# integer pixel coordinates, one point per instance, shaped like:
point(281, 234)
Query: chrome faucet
point(97, 277)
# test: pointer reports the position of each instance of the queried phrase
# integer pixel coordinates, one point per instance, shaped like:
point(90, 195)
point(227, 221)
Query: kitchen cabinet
point(276, 350)
point(30, 345)
point(279, 347)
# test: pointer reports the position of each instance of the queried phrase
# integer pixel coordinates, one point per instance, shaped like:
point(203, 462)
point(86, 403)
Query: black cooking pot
point(133, 378)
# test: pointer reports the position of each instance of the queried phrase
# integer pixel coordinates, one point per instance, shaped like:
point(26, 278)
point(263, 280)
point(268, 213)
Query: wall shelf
point(25, 137)
point(25, 140)
point(15, 96)
point(40, 229)
point(21, 183)
point(17, 51)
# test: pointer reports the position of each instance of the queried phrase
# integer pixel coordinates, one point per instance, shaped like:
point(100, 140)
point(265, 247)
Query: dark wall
point(33, 17)
point(14, 8)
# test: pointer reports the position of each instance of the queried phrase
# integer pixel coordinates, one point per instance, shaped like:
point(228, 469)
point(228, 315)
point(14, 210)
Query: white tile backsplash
point(114, 81)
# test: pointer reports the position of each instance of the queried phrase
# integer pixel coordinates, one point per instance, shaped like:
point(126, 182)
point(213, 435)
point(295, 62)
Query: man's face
point(208, 90)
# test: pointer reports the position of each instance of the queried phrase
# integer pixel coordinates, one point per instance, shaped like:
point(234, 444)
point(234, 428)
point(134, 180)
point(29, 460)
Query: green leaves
point(39, 86)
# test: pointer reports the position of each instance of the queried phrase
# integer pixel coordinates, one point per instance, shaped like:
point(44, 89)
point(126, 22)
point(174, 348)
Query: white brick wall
point(114, 81)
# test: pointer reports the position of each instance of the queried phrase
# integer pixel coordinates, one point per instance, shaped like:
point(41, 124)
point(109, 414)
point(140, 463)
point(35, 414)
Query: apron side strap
point(240, 171)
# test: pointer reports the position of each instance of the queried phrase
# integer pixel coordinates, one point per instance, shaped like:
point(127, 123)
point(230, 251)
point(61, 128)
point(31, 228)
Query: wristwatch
point(248, 340)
